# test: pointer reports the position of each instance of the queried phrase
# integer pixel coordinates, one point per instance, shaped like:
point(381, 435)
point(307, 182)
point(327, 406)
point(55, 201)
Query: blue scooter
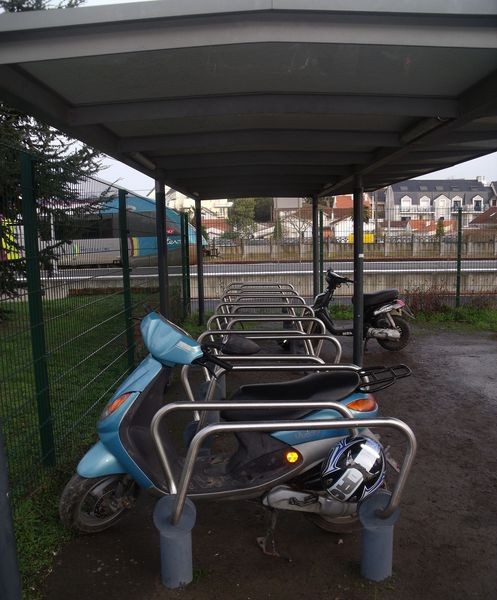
point(292, 470)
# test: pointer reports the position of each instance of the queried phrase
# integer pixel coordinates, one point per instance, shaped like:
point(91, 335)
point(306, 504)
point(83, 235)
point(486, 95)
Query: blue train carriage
point(95, 237)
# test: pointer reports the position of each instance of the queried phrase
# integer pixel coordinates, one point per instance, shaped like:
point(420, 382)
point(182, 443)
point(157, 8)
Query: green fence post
point(459, 254)
point(128, 309)
point(35, 292)
point(185, 263)
point(321, 250)
point(183, 266)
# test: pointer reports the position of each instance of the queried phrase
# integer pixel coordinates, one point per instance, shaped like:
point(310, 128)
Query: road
point(413, 266)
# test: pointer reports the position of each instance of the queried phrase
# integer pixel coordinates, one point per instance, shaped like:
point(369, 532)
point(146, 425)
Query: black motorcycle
point(383, 314)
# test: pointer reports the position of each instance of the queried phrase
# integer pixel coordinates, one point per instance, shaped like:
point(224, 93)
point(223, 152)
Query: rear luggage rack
point(379, 378)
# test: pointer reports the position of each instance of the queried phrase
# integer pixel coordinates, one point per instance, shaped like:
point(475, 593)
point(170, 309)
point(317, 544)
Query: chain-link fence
point(78, 263)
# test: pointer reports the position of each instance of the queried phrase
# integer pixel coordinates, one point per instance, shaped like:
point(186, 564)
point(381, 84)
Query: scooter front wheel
point(92, 505)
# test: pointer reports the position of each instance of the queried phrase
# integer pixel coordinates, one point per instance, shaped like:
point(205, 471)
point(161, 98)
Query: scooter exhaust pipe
point(383, 334)
point(285, 498)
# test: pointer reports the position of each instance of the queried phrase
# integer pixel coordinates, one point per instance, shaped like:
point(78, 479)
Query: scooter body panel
point(109, 455)
point(294, 438)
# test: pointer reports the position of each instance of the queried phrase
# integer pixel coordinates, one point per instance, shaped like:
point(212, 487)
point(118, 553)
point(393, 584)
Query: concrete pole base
point(175, 542)
point(377, 537)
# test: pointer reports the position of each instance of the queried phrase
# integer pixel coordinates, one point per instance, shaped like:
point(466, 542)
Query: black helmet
point(354, 469)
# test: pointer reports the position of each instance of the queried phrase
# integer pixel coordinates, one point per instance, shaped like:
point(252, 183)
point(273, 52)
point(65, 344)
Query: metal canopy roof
point(233, 98)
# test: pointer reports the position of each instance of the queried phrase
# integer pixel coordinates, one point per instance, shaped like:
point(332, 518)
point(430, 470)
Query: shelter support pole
point(200, 261)
point(160, 221)
point(316, 275)
point(358, 271)
point(128, 305)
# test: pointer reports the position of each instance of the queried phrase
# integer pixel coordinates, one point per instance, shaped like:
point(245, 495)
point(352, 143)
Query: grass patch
point(470, 317)
point(477, 315)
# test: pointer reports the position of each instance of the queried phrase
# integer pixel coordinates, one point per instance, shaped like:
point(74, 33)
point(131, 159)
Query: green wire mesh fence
point(441, 245)
point(70, 305)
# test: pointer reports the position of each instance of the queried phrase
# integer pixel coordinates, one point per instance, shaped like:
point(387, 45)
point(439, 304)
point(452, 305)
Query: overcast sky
point(136, 181)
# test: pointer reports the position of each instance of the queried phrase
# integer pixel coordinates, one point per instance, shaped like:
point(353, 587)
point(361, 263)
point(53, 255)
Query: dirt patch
point(445, 540)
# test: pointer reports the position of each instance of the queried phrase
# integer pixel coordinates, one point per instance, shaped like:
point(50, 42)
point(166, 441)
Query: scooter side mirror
point(238, 345)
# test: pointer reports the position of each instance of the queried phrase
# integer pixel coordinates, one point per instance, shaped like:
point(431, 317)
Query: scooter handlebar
point(212, 358)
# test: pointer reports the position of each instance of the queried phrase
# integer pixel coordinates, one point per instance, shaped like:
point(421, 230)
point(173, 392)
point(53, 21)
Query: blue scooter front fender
point(98, 462)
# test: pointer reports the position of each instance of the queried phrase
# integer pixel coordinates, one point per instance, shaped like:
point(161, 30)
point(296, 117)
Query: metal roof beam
point(288, 104)
point(256, 171)
point(254, 191)
point(263, 139)
point(153, 26)
point(228, 159)
point(275, 181)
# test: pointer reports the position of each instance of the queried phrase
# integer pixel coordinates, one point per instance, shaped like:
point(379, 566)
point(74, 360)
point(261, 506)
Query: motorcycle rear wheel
point(405, 333)
point(90, 505)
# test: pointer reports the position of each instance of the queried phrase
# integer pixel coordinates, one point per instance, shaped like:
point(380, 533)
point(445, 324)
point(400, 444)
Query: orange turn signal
point(367, 404)
point(292, 456)
point(115, 404)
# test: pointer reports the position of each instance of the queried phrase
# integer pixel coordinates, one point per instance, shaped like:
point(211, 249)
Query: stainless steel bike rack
point(258, 285)
point(233, 307)
point(268, 426)
point(291, 359)
point(283, 295)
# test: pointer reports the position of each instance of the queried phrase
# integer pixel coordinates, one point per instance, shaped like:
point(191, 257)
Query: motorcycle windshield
point(167, 343)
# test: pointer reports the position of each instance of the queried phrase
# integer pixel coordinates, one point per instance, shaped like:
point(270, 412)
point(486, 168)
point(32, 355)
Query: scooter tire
point(86, 503)
point(339, 525)
point(405, 334)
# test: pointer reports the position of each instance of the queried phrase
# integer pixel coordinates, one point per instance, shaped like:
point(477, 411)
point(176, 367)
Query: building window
point(405, 204)
point(456, 203)
point(477, 203)
point(424, 204)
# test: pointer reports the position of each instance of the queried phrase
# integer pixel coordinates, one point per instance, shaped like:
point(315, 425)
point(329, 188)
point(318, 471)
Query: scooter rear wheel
point(92, 505)
point(340, 525)
point(405, 333)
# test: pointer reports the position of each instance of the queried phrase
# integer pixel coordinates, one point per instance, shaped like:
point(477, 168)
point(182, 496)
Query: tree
point(263, 210)
point(278, 229)
point(241, 216)
point(440, 231)
point(27, 5)
point(60, 163)
point(323, 201)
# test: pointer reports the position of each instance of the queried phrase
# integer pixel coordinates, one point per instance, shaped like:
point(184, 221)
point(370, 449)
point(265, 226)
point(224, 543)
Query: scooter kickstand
point(267, 543)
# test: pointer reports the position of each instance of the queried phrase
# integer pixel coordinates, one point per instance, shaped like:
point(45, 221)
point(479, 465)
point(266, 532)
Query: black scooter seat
point(381, 297)
point(318, 387)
